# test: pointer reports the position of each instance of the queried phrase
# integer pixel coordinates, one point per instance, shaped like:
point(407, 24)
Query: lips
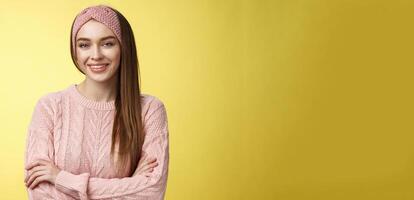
point(98, 67)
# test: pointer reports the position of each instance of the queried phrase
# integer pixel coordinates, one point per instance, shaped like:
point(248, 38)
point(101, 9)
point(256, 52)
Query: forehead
point(94, 30)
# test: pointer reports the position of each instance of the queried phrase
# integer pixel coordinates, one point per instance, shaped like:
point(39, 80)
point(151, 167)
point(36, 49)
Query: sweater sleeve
point(39, 145)
point(136, 187)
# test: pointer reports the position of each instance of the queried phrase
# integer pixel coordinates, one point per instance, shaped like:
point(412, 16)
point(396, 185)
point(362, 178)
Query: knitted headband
point(100, 13)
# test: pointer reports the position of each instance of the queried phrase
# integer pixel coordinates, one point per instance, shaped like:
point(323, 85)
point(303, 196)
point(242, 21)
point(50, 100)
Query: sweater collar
point(89, 103)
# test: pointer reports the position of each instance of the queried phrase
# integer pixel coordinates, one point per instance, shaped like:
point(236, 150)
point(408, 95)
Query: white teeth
point(97, 66)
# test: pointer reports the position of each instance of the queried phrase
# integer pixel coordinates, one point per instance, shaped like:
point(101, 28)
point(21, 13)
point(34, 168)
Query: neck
point(96, 91)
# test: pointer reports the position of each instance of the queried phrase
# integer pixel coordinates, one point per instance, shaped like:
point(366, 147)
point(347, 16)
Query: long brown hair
point(128, 127)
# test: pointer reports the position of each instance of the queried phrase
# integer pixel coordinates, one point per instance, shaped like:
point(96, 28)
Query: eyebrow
point(104, 38)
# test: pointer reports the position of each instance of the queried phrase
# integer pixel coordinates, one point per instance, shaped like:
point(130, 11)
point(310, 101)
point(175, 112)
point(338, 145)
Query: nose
point(96, 53)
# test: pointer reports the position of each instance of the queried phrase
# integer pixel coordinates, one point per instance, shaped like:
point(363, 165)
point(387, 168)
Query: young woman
point(102, 138)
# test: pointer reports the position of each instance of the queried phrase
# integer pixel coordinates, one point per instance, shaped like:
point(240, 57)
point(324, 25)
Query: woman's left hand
point(40, 171)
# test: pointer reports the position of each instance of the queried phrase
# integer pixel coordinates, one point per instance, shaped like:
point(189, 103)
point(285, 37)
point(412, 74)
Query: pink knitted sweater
point(76, 133)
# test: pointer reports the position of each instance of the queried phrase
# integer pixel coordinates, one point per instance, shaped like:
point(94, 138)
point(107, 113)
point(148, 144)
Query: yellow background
point(282, 99)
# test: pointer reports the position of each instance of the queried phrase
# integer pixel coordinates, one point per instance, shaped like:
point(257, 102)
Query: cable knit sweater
point(75, 133)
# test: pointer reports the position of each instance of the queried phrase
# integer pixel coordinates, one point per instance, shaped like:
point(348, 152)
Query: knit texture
point(75, 133)
point(100, 13)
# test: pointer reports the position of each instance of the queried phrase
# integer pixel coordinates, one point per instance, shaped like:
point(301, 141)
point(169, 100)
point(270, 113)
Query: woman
point(102, 138)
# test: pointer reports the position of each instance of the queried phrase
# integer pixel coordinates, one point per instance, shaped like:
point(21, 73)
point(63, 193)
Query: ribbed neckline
point(89, 103)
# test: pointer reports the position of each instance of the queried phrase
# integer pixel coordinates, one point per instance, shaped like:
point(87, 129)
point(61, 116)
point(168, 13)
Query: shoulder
point(51, 100)
point(151, 101)
point(45, 110)
point(151, 104)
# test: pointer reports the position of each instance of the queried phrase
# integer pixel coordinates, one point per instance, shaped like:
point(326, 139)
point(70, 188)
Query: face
point(98, 52)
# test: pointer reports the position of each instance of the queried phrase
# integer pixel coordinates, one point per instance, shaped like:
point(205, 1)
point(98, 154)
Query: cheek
point(115, 56)
point(80, 58)
point(117, 53)
point(118, 58)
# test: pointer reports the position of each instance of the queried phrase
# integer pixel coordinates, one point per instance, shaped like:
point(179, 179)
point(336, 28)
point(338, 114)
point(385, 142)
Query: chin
point(99, 79)
point(105, 77)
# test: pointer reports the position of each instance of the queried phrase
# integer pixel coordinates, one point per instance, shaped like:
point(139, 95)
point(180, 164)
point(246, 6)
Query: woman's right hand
point(146, 166)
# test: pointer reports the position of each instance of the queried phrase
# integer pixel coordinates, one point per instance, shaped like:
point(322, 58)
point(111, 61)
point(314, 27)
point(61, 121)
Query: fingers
point(147, 169)
point(145, 162)
point(39, 171)
point(147, 172)
point(149, 161)
point(33, 178)
point(150, 166)
point(37, 181)
point(152, 159)
point(35, 169)
point(146, 165)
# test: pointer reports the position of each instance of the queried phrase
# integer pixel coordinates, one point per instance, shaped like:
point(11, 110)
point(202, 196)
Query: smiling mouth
point(98, 68)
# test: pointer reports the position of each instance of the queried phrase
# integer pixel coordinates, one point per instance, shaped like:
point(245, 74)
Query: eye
point(82, 45)
point(109, 44)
